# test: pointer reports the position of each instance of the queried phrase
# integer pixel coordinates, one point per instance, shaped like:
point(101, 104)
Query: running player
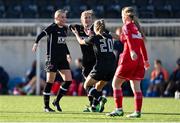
point(58, 58)
point(104, 68)
point(85, 29)
point(132, 62)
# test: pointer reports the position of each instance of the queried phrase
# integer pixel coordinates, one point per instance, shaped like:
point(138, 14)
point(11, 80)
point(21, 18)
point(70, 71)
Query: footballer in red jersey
point(132, 63)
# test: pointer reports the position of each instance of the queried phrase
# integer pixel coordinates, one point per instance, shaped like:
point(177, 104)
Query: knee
point(67, 78)
point(113, 85)
point(49, 81)
point(85, 86)
point(116, 85)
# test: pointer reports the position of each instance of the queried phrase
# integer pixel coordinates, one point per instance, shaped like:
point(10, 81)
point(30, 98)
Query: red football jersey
point(133, 41)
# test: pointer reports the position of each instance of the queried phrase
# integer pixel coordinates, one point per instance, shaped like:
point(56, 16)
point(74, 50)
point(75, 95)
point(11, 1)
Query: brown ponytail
point(129, 11)
point(136, 22)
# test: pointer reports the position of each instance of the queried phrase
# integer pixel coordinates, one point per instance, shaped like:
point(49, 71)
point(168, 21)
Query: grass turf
point(30, 109)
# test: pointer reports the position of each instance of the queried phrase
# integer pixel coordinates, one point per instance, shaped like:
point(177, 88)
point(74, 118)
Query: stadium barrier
point(152, 28)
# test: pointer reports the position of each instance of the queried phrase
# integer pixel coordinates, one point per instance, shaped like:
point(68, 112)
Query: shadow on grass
point(65, 112)
point(82, 113)
point(160, 113)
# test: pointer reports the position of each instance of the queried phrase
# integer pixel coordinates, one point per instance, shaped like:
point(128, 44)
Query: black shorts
point(87, 68)
point(55, 65)
point(103, 72)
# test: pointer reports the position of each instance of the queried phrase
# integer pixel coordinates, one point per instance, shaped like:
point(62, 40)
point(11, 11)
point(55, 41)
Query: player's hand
point(69, 59)
point(146, 65)
point(74, 30)
point(133, 55)
point(34, 48)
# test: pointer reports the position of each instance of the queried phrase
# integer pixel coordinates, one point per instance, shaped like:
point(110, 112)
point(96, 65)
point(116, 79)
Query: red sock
point(138, 97)
point(118, 98)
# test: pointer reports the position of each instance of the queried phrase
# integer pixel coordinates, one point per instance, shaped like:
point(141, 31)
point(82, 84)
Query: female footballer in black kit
point(58, 58)
point(104, 68)
point(88, 57)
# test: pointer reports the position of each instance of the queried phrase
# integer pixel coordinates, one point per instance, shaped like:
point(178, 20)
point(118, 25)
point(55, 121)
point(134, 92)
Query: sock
point(90, 97)
point(138, 97)
point(47, 94)
point(97, 96)
point(97, 99)
point(100, 96)
point(118, 98)
point(62, 90)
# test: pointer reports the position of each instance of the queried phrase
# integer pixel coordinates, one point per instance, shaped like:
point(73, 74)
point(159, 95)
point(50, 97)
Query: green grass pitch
point(30, 109)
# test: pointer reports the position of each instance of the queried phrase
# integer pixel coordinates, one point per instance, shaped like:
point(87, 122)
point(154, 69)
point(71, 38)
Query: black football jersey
point(56, 41)
point(87, 50)
point(103, 47)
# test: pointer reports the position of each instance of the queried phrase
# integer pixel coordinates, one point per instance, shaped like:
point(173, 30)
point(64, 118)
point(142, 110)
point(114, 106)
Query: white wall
point(16, 56)
point(165, 49)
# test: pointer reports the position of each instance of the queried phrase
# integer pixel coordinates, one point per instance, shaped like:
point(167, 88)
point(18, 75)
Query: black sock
point(90, 99)
point(100, 96)
point(47, 93)
point(95, 103)
point(62, 90)
point(97, 96)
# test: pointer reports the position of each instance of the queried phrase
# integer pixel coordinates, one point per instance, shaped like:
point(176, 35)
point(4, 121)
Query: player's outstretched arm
point(34, 48)
point(80, 40)
point(35, 45)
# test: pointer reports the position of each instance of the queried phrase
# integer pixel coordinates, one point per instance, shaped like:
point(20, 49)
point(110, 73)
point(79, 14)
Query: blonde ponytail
point(99, 26)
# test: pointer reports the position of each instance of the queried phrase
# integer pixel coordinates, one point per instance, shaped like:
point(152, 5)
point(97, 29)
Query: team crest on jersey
point(61, 40)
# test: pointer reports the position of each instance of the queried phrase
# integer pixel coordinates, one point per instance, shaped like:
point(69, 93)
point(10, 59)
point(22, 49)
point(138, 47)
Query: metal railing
point(151, 27)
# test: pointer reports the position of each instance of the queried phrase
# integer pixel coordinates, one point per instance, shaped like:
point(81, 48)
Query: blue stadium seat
point(14, 11)
point(102, 8)
point(2, 11)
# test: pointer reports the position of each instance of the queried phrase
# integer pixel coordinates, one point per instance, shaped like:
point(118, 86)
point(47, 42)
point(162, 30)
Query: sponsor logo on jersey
point(61, 40)
point(137, 36)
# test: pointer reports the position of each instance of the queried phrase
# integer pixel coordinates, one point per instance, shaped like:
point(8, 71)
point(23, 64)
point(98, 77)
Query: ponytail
point(136, 22)
point(129, 11)
point(102, 26)
point(99, 26)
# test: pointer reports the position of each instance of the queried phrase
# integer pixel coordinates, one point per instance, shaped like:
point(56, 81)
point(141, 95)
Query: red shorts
point(130, 71)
